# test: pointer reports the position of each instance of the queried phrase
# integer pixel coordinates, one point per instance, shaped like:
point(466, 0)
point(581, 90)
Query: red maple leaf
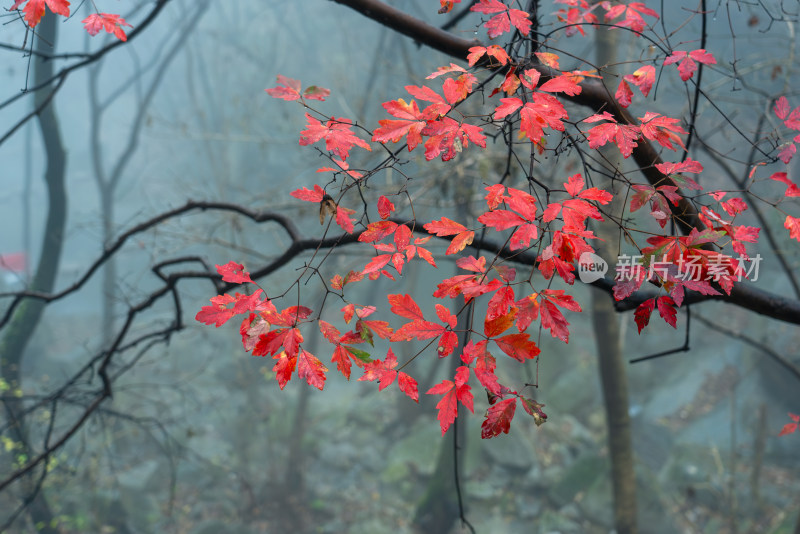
point(234, 272)
point(622, 135)
point(456, 90)
point(384, 371)
point(518, 346)
point(633, 14)
point(643, 77)
point(663, 130)
point(342, 354)
point(454, 392)
point(666, 308)
point(105, 21)
point(493, 51)
point(564, 83)
point(308, 195)
point(336, 132)
point(791, 188)
point(788, 428)
point(445, 227)
point(448, 137)
point(485, 364)
point(501, 23)
point(574, 17)
point(218, 313)
point(385, 207)
point(34, 9)
point(310, 368)
point(284, 368)
point(439, 105)
point(688, 61)
point(498, 418)
point(290, 90)
point(793, 225)
point(411, 122)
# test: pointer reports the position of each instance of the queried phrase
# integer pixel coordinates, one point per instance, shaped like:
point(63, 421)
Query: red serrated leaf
point(500, 303)
point(688, 61)
point(234, 272)
point(343, 219)
point(385, 207)
point(564, 83)
point(554, 320)
point(290, 89)
point(218, 313)
point(313, 92)
point(453, 393)
point(310, 368)
point(518, 346)
point(408, 386)
point(632, 12)
point(104, 21)
point(666, 308)
point(309, 196)
point(418, 330)
point(283, 368)
point(497, 325)
point(405, 306)
point(793, 225)
point(781, 108)
point(34, 9)
point(629, 280)
point(643, 312)
point(336, 132)
point(498, 418)
point(644, 78)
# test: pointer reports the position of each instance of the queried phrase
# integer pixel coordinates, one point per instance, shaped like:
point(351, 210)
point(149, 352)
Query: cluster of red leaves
point(34, 11)
point(559, 231)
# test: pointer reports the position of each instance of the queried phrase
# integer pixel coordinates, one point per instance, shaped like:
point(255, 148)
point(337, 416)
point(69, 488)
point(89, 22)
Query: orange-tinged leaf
point(548, 58)
point(444, 227)
point(459, 242)
point(498, 325)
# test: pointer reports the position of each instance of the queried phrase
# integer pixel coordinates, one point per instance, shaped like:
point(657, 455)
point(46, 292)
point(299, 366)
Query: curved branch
point(593, 93)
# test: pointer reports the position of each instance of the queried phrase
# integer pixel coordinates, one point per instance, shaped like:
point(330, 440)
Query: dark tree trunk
point(27, 316)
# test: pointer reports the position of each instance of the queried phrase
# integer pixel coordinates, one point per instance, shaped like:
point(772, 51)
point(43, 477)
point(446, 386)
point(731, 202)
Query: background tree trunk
point(605, 322)
point(27, 316)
